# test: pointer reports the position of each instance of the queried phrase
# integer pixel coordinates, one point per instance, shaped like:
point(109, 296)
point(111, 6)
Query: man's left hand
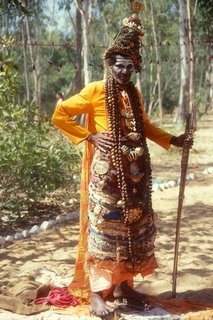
point(179, 141)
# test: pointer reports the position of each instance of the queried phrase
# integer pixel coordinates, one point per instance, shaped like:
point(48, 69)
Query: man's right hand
point(101, 141)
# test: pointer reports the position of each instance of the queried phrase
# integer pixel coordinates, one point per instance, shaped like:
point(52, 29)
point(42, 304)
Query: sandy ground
point(54, 250)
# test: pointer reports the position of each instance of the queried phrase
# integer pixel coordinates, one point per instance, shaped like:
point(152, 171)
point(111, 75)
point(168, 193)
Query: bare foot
point(99, 306)
point(122, 290)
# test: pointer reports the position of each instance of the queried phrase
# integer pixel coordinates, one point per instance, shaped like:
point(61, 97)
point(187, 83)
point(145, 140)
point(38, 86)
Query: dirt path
point(55, 249)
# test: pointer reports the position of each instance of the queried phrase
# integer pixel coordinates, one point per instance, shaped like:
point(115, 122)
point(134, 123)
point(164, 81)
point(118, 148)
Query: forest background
point(51, 46)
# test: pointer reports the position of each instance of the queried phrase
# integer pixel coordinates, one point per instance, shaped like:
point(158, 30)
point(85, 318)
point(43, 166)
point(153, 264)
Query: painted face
point(122, 69)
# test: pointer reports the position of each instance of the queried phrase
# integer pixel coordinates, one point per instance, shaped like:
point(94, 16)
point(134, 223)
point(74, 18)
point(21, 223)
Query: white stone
point(26, 233)
point(192, 176)
point(2, 241)
point(172, 183)
point(210, 170)
point(9, 238)
point(60, 218)
point(167, 185)
point(162, 186)
point(35, 229)
point(205, 171)
point(52, 222)
point(45, 225)
point(156, 181)
point(18, 236)
point(155, 187)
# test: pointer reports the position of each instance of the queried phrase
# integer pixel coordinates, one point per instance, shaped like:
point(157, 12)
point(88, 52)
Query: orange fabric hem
point(179, 307)
point(121, 268)
point(79, 310)
point(190, 310)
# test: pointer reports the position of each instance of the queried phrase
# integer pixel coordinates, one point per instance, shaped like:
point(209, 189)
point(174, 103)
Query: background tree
point(57, 62)
point(204, 27)
point(158, 60)
point(41, 53)
point(74, 19)
point(86, 10)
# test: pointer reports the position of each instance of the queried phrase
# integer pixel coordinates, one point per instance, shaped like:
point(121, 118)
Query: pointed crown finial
point(137, 6)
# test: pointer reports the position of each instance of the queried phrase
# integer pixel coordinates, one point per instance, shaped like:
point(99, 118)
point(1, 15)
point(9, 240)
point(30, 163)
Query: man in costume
point(117, 230)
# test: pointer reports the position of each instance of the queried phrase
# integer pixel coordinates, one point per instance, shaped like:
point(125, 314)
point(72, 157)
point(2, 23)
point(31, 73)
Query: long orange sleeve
point(91, 100)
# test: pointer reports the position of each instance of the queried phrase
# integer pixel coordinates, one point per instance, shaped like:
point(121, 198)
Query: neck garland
point(112, 101)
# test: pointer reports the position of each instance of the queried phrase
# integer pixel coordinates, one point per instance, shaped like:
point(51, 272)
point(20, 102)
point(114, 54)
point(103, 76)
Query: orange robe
point(91, 101)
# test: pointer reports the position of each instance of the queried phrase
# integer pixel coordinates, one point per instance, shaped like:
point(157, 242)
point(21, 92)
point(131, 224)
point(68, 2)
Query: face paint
point(122, 69)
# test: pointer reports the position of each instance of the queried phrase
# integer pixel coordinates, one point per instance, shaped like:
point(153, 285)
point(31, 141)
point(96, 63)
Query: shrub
point(34, 162)
point(35, 158)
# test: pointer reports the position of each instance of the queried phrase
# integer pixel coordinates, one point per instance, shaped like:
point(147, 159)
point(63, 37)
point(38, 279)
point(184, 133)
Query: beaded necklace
point(112, 91)
point(112, 101)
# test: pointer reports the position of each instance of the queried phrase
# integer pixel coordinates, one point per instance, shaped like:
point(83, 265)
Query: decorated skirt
point(110, 237)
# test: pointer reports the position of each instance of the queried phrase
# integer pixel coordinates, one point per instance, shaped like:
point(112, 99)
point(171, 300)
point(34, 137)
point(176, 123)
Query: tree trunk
point(78, 76)
point(158, 60)
point(209, 103)
point(26, 72)
point(192, 106)
point(183, 105)
point(106, 43)
point(36, 72)
point(6, 19)
point(83, 7)
point(78, 62)
point(152, 99)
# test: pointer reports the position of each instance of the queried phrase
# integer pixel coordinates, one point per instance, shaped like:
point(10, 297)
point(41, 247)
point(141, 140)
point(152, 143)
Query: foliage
point(15, 5)
point(34, 160)
point(205, 24)
point(57, 63)
point(8, 79)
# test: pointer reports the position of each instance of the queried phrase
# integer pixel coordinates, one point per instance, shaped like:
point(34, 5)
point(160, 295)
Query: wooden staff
point(184, 165)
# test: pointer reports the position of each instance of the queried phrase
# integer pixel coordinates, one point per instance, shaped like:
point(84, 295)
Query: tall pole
point(190, 118)
point(184, 166)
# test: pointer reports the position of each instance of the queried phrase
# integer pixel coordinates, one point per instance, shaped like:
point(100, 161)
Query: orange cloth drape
point(91, 101)
point(191, 309)
point(80, 286)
